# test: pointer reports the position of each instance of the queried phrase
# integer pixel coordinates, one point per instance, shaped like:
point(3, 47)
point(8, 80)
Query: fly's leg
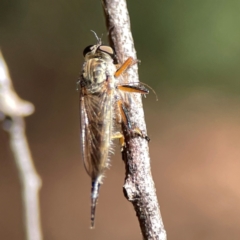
point(124, 113)
point(128, 87)
point(128, 63)
point(125, 121)
point(133, 89)
point(119, 136)
point(137, 132)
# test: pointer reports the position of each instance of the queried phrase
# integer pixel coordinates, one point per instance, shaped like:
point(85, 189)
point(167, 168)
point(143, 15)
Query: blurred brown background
point(190, 54)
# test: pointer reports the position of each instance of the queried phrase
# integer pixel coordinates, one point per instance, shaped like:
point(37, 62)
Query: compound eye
point(88, 49)
point(106, 49)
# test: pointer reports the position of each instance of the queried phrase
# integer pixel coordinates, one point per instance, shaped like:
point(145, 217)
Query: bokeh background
point(190, 54)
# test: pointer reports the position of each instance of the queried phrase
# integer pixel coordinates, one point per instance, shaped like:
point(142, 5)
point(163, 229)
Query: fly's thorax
point(96, 71)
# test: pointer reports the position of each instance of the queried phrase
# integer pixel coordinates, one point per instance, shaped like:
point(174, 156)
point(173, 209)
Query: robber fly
point(103, 110)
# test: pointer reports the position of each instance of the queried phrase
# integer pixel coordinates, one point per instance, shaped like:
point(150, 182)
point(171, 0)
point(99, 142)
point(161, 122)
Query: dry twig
point(139, 186)
point(12, 111)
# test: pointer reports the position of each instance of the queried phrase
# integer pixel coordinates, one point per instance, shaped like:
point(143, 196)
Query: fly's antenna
point(98, 39)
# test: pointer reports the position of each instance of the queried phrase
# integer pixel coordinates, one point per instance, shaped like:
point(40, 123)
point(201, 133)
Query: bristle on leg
point(94, 198)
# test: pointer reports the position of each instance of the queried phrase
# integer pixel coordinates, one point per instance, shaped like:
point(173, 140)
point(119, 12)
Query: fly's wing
point(96, 129)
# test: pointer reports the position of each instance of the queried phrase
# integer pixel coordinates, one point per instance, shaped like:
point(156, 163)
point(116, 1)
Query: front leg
point(122, 68)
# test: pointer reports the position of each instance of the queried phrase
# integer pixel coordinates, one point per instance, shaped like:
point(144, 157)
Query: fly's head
point(99, 51)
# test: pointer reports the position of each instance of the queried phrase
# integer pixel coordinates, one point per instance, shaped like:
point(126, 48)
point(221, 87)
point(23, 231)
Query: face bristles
point(94, 198)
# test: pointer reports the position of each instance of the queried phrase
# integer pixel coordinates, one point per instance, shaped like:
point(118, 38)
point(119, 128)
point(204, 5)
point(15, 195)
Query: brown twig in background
point(139, 186)
point(12, 111)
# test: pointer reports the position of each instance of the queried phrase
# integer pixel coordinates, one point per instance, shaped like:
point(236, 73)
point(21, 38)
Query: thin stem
point(139, 186)
point(12, 110)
